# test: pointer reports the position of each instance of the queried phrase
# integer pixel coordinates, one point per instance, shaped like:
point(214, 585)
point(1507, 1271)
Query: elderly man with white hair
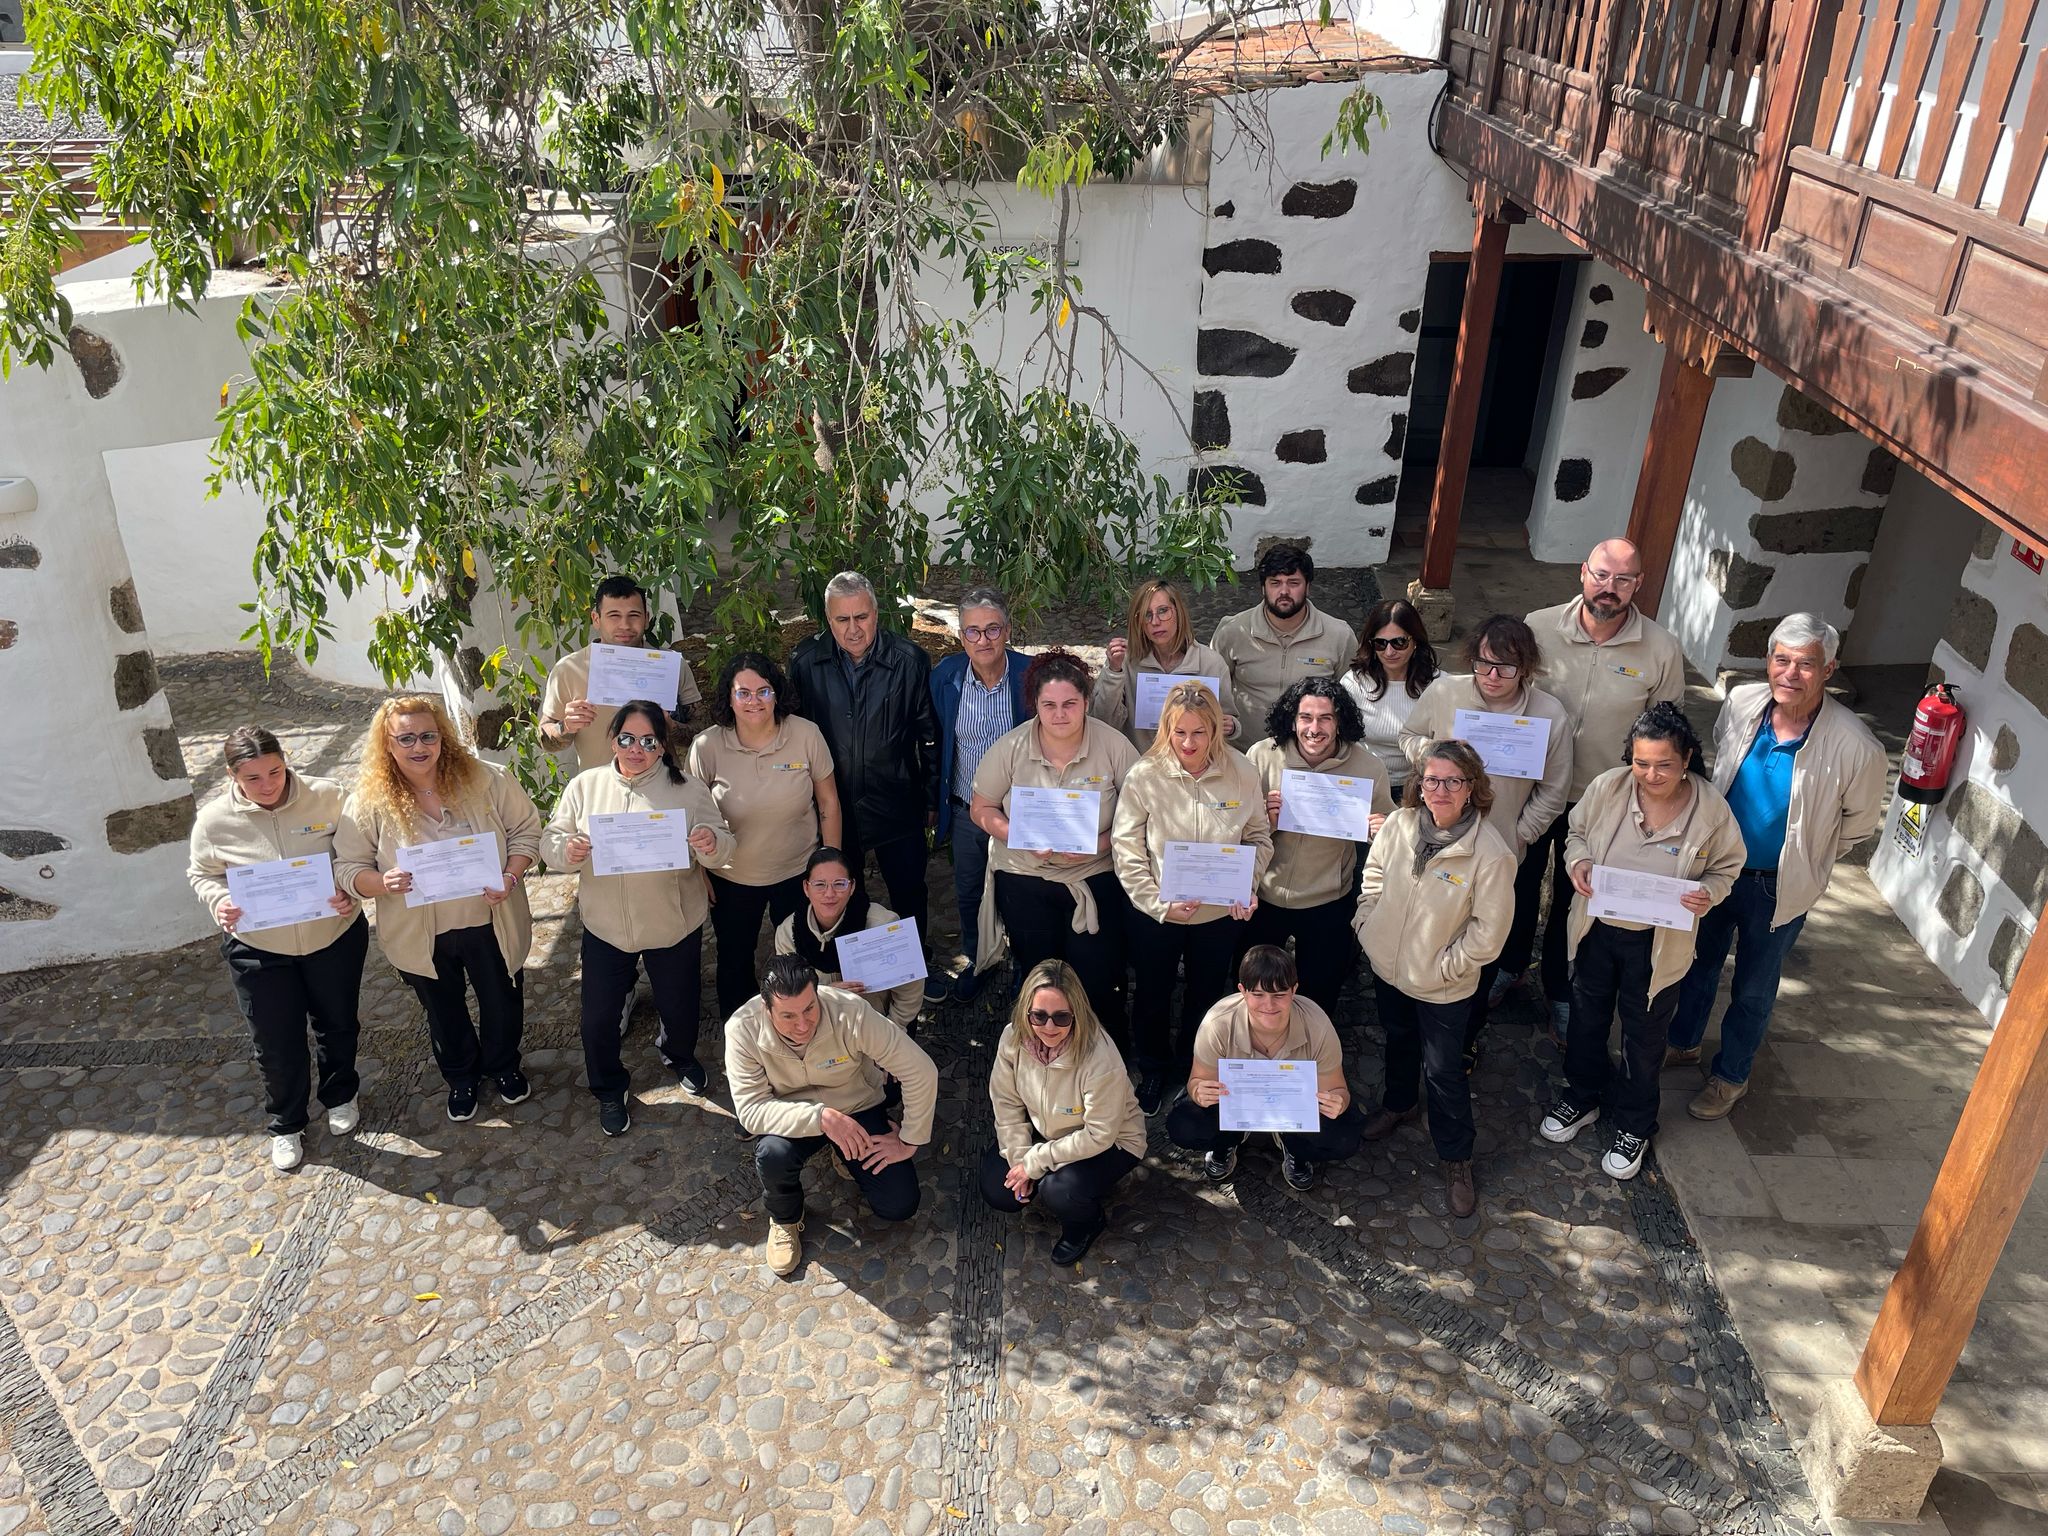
point(1806, 781)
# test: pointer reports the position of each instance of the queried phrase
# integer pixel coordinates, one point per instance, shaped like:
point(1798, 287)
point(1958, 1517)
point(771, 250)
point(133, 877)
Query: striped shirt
point(984, 719)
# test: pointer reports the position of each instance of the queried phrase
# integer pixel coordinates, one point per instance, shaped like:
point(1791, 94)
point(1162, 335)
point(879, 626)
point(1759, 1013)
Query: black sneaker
point(613, 1118)
point(1299, 1172)
point(938, 986)
point(513, 1087)
point(1073, 1246)
point(1566, 1119)
point(1151, 1093)
point(462, 1102)
point(691, 1075)
point(1624, 1159)
point(1219, 1164)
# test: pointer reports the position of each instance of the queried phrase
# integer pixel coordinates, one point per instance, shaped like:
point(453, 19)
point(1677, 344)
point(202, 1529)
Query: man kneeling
point(1267, 1020)
point(806, 1066)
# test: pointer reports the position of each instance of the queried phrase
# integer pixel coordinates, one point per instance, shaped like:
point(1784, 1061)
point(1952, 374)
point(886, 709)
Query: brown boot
point(1458, 1190)
point(1384, 1122)
point(1716, 1099)
point(1681, 1056)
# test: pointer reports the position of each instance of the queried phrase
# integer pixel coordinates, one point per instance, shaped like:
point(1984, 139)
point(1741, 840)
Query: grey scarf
point(1431, 839)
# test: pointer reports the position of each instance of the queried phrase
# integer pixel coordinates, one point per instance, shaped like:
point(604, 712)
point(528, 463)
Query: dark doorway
point(1519, 360)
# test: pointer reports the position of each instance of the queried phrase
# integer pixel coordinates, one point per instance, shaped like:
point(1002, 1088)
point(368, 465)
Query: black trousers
point(1204, 951)
point(1039, 915)
point(902, 863)
point(1545, 854)
point(1074, 1194)
point(736, 913)
point(1613, 976)
point(891, 1194)
point(468, 960)
point(1325, 950)
point(1426, 1047)
point(674, 974)
point(1201, 1130)
point(278, 996)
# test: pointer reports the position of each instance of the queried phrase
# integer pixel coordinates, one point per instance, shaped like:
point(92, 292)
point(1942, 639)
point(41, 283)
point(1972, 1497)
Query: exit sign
point(2030, 558)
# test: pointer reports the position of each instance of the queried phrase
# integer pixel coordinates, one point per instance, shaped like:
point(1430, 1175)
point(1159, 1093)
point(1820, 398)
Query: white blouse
point(1384, 718)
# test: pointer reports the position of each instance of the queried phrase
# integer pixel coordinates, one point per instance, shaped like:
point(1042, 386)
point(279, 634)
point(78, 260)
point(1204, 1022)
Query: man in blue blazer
point(978, 697)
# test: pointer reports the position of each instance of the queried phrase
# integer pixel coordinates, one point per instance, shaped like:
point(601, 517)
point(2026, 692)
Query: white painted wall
point(1922, 546)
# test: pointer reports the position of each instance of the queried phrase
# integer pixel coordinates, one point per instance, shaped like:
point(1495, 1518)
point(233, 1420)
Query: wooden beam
point(1683, 390)
point(1991, 1164)
point(1468, 377)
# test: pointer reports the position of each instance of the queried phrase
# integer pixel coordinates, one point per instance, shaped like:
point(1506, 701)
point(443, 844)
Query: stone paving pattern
point(517, 1325)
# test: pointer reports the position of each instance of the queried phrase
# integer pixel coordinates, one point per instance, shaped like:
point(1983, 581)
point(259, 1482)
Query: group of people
point(862, 751)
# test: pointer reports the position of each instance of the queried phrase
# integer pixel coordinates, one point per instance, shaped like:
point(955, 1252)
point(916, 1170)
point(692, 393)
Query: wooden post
point(1790, 52)
point(1461, 413)
point(1683, 390)
point(1984, 1179)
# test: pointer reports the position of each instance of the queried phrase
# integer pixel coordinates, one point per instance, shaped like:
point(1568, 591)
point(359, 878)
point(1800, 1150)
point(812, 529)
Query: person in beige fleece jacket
point(1433, 909)
point(420, 784)
point(285, 976)
point(1189, 788)
point(653, 920)
point(807, 1065)
point(1067, 1124)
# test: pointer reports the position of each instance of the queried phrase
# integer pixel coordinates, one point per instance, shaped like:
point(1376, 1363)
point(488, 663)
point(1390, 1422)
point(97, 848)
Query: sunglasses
point(1059, 1019)
point(1395, 643)
point(974, 633)
point(1505, 669)
point(418, 739)
point(626, 739)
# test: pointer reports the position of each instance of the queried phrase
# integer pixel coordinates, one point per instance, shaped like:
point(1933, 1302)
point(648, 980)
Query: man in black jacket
point(866, 689)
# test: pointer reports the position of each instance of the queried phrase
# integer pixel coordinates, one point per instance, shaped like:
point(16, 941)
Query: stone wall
point(1592, 447)
point(1781, 516)
point(1974, 893)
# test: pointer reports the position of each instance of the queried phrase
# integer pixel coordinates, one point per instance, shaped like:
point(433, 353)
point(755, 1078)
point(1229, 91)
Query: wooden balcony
point(1848, 191)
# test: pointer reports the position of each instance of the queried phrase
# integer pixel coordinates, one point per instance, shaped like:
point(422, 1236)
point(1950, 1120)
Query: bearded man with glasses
point(1606, 662)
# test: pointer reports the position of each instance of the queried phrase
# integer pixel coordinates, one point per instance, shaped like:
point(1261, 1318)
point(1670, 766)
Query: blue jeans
point(1743, 921)
point(970, 868)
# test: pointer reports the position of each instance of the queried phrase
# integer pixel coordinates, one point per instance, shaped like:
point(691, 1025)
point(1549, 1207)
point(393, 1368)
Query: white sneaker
point(343, 1118)
point(287, 1152)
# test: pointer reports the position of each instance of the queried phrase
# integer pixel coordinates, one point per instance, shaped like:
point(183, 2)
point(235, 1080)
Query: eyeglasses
point(764, 694)
point(627, 741)
point(834, 886)
point(1392, 643)
point(1505, 669)
point(1431, 781)
point(975, 633)
point(1058, 1019)
point(1610, 579)
point(418, 739)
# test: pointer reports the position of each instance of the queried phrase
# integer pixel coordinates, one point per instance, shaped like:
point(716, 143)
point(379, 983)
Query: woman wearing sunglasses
point(420, 784)
point(653, 919)
point(1394, 665)
point(1433, 911)
point(1067, 1124)
point(832, 906)
point(771, 774)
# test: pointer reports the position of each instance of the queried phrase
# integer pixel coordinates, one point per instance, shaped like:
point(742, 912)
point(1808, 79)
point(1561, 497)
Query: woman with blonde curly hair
point(420, 784)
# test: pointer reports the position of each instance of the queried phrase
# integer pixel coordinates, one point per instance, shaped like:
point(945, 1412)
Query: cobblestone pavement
point(518, 1325)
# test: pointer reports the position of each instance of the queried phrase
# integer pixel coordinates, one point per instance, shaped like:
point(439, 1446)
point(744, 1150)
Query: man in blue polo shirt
point(1806, 781)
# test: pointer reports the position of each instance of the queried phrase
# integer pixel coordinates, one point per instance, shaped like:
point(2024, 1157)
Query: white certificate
point(1268, 1095)
point(1153, 687)
point(1326, 805)
point(1511, 746)
point(1217, 873)
point(884, 957)
point(1055, 820)
point(1638, 898)
point(638, 842)
point(452, 868)
point(619, 674)
point(280, 892)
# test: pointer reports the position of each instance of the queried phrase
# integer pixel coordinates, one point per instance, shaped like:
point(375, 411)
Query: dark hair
point(1511, 641)
point(621, 586)
point(1462, 756)
point(787, 976)
point(246, 743)
point(1056, 665)
point(1422, 666)
point(1267, 968)
point(750, 661)
point(662, 728)
point(1350, 723)
point(827, 855)
point(1665, 721)
point(1286, 560)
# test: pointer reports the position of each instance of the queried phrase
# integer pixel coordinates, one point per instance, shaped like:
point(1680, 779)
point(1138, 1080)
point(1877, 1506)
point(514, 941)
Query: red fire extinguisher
point(1931, 749)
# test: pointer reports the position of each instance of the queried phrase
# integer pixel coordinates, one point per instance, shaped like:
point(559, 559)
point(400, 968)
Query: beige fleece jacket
point(1067, 1112)
point(1429, 934)
point(778, 1090)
